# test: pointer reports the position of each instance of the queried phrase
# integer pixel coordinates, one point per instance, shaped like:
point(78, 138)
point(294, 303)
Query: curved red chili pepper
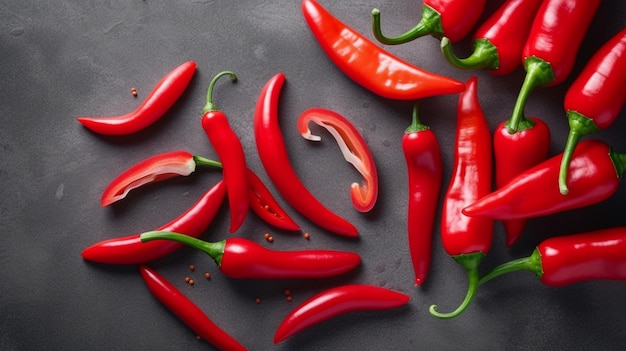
point(464, 238)
point(451, 18)
point(370, 66)
point(423, 161)
point(499, 41)
point(273, 155)
point(160, 99)
point(335, 302)
point(130, 249)
point(596, 97)
point(188, 312)
point(353, 148)
point(594, 176)
point(244, 259)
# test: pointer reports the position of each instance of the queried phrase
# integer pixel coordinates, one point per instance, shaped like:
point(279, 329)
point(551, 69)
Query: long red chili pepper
point(230, 152)
point(594, 176)
point(596, 97)
point(353, 148)
point(451, 18)
point(423, 162)
point(130, 249)
point(337, 301)
point(188, 312)
point(499, 41)
point(273, 154)
point(464, 238)
point(370, 66)
point(160, 99)
point(241, 258)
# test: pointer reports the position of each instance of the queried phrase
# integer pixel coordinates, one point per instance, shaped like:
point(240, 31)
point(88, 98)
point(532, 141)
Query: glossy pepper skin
point(338, 301)
point(451, 18)
point(424, 169)
point(161, 98)
point(273, 154)
point(187, 311)
point(596, 97)
point(369, 65)
point(244, 259)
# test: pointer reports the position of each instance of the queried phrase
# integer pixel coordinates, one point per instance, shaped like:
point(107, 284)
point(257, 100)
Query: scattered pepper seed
point(307, 235)
point(191, 282)
point(287, 292)
point(270, 239)
point(257, 300)
point(187, 279)
point(266, 235)
point(192, 267)
point(207, 275)
point(198, 337)
point(289, 298)
point(133, 91)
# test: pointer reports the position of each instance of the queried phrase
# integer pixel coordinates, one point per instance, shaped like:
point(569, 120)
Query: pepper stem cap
point(484, 56)
point(416, 125)
point(210, 106)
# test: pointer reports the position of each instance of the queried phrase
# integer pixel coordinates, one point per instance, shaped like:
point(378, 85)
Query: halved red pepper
point(353, 148)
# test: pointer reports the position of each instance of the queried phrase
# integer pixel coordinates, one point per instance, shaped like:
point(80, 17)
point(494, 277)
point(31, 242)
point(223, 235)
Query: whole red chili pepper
point(188, 312)
point(594, 176)
point(499, 41)
point(464, 238)
point(241, 258)
point(160, 99)
point(451, 18)
point(370, 66)
point(596, 97)
point(354, 150)
point(273, 154)
point(423, 162)
point(230, 152)
point(337, 301)
point(130, 249)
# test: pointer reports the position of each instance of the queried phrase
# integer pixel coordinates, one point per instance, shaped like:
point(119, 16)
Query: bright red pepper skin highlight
point(273, 154)
point(354, 150)
point(161, 98)
point(370, 66)
point(337, 301)
point(187, 311)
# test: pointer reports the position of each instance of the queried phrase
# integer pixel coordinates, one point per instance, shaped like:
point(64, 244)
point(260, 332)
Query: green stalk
point(579, 126)
point(213, 249)
point(429, 24)
point(531, 263)
point(484, 56)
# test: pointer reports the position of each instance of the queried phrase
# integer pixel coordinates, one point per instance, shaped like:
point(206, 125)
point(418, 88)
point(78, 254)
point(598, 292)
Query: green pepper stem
point(210, 106)
point(416, 125)
point(484, 56)
point(531, 263)
point(213, 249)
point(430, 23)
point(619, 161)
point(579, 125)
point(203, 161)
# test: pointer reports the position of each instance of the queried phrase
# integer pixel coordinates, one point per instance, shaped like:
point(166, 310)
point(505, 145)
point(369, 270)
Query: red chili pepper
point(464, 238)
point(188, 312)
point(499, 41)
point(551, 47)
point(241, 258)
point(451, 18)
point(337, 301)
point(160, 99)
point(354, 150)
point(594, 176)
point(130, 249)
point(370, 66)
point(230, 152)
point(596, 97)
point(423, 161)
point(273, 155)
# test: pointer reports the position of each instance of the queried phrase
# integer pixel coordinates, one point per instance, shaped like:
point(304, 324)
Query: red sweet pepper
point(451, 18)
point(335, 302)
point(370, 66)
point(273, 154)
point(241, 258)
point(424, 168)
point(161, 98)
point(353, 148)
point(596, 97)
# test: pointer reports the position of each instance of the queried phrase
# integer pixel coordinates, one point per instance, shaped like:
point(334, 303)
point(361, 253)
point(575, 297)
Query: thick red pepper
point(161, 98)
point(370, 66)
point(464, 238)
point(424, 168)
point(130, 249)
point(230, 152)
point(188, 312)
point(273, 154)
point(338, 301)
point(596, 97)
point(450, 18)
point(353, 148)
point(499, 41)
point(594, 176)
point(244, 259)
